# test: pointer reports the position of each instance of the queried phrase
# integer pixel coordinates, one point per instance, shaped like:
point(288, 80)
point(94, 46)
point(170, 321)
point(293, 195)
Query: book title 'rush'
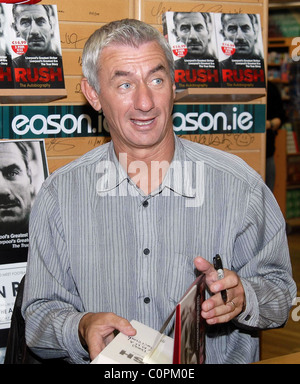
point(227, 75)
point(31, 75)
point(196, 76)
point(243, 75)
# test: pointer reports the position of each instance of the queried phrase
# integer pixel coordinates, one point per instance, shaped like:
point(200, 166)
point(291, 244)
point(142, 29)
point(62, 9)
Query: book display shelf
point(80, 130)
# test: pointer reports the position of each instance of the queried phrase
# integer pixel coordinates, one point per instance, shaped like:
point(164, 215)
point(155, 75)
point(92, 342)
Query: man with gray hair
point(114, 236)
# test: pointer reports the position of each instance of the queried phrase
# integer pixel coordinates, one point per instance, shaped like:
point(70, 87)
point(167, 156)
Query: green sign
point(27, 122)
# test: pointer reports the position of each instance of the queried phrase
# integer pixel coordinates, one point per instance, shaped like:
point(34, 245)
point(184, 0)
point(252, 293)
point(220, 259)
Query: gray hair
point(128, 32)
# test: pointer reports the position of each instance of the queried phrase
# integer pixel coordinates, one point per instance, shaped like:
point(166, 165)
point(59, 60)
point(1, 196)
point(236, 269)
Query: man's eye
point(12, 173)
point(125, 86)
point(25, 24)
point(157, 81)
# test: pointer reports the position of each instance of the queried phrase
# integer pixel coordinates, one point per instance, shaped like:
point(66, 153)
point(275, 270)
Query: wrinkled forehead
point(10, 153)
point(34, 11)
point(190, 19)
point(237, 20)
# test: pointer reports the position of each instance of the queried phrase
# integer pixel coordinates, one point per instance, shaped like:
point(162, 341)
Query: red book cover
point(33, 43)
point(240, 50)
point(191, 36)
point(6, 74)
point(189, 337)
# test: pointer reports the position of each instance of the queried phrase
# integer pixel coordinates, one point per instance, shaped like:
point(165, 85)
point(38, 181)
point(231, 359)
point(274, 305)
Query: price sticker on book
point(19, 46)
point(228, 47)
point(179, 50)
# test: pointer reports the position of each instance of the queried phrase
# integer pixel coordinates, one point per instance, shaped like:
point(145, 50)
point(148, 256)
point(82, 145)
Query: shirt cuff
point(78, 354)
point(250, 315)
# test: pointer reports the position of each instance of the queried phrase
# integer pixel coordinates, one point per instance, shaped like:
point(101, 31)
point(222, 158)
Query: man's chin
point(13, 226)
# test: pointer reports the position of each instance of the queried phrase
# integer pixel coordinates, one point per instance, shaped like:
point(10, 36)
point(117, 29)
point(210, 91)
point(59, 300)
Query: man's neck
point(147, 167)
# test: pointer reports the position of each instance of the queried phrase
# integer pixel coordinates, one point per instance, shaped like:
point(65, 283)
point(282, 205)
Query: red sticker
point(20, 1)
point(180, 49)
point(228, 47)
point(19, 46)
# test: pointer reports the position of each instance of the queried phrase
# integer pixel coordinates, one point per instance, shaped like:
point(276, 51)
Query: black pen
point(219, 268)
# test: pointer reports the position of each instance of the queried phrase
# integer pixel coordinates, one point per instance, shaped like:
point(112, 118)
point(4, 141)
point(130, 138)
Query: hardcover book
point(215, 49)
point(33, 50)
point(191, 36)
point(6, 79)
point(24, 168)
point(150, 346)
point(240, 50)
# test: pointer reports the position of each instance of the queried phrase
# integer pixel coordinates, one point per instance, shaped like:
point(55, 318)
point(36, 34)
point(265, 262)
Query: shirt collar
point(179, 177)
point(111, 173)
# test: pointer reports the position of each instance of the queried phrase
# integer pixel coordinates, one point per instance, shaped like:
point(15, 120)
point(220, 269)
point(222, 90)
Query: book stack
point(215, 49)
point(30, 60)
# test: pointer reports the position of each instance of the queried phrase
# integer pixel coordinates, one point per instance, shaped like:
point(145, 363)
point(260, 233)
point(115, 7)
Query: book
point(6, 79)
point(24, 168)
point(240, 50)
point(215, 49)
point(33, 60)
point(150, 346)
point(191, 36)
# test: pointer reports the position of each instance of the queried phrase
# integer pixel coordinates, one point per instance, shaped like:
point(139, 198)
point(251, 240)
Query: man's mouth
point(241, 46)
point(142, 123)
point(36, 41)
point(9, 205)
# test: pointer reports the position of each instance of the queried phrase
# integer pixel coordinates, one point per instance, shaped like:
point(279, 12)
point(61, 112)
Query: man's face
point(16, 190)
point(239, 30)
point(33, 26)
point(191, 29)
point(136, 95)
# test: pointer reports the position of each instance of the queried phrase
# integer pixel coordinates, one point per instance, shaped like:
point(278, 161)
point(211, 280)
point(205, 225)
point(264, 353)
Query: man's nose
point(4, 186)
point(34, 28)
point(239, 34)
point(193, 34)
point(144, 99)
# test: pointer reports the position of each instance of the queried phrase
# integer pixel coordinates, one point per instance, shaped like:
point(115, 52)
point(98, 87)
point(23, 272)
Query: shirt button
point(248, 317)
point(147, 300)
point(145, 203)
point(146, 251)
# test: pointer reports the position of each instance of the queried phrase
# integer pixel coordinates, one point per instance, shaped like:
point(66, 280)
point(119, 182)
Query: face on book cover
point(16, 189)
point(192, 30)
point(32, 23)
point(242, 31)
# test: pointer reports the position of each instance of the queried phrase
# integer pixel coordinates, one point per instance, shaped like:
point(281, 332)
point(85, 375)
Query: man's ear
point(174, 90)
point(16, 29)
point(90, 94)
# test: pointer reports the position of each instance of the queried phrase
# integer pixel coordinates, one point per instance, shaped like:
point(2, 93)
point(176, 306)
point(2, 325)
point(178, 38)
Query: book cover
point(133, 349)
point(24, 168)
point(189, 340)
point(33, 40)
point(150, 346)
point(6, 75)
point(240, 50)
point(191, 36)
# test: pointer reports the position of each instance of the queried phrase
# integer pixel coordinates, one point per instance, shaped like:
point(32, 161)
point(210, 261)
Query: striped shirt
point(99, 244)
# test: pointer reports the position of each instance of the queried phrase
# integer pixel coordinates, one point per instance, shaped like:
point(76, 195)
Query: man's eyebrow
point(158, 68)
point(120, 73)
point(8, 168)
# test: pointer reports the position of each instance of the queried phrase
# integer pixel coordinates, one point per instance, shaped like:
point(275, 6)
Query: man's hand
point(213, 309)
point(96, 330)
